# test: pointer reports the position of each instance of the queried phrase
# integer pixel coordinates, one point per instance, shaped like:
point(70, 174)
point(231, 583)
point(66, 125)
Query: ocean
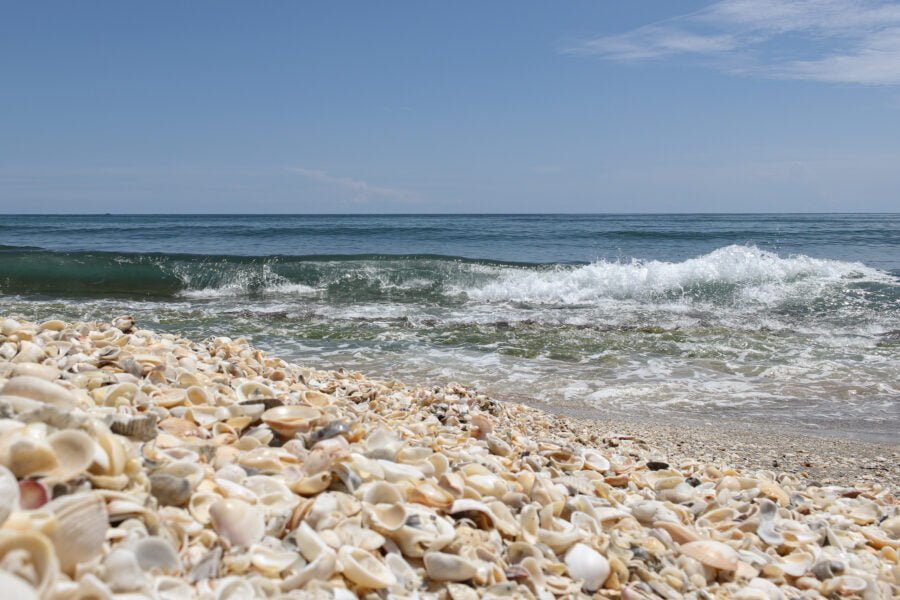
point(785, 322)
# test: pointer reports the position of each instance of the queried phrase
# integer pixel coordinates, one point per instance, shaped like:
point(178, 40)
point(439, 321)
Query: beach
point(140, 463)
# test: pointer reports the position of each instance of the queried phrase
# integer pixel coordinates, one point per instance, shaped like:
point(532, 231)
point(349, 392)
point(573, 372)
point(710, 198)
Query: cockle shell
point(82, 524)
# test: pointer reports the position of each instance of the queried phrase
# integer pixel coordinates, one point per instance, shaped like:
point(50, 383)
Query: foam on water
point(760, 275)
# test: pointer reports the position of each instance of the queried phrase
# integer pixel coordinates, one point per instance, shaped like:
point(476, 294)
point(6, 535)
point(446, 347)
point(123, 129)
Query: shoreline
point(826, 459)
point(209, 469)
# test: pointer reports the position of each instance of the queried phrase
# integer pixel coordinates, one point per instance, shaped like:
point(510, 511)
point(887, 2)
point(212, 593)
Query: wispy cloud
point(361, 191)
point(835, 41)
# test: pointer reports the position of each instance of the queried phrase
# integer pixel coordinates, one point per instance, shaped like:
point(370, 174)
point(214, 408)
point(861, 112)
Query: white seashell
point(237, 522)
point(441, 566)
point(290, 420)
point(45, 372)
point(766, 529)
point(156, 553)
point(74, 451)
point(40, 555)
point(587, 565)
point(16, 587)
point(82, 524)
point(9, 494)
point(122, 572)
point(34, 388)
point(362, 568)
point(712, 554)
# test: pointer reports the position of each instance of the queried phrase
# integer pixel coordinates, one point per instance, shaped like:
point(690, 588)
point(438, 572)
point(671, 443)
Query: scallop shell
point(81, 531)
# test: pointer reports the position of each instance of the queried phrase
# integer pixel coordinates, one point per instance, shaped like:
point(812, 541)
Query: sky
point(425, 106)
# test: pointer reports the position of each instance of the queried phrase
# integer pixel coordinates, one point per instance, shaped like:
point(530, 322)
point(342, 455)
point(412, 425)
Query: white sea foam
point(241, 289)
point(759, 273)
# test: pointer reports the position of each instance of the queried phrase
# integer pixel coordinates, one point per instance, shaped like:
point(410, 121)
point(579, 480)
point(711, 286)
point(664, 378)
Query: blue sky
point(584, 106)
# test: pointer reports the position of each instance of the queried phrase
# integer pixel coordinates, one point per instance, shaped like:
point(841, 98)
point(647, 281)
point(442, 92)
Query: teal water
point(792, 320)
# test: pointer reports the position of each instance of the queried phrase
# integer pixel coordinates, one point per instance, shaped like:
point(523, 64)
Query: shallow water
point(783, 320)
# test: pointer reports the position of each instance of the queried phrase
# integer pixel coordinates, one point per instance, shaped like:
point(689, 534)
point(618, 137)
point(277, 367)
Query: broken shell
point(363, 569)
point(441, 566)
point(42, 564)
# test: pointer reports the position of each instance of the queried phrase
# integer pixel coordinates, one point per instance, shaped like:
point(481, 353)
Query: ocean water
point(781, 321)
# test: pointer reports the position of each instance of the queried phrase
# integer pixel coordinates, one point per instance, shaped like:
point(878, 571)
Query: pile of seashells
point(137, 464)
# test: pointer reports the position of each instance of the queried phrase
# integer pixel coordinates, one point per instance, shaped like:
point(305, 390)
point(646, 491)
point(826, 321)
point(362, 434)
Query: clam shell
point(156, 553)
point(239, 523)
point(712, 554)
point(74, 451)
point(588, 566)
point(290, 420)
point(35, 388)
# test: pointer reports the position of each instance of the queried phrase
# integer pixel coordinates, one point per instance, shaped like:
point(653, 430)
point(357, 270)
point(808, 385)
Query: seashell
point(156, 553)
point(595, 460)
point(430, 495)
point(45, 372)
point(441, 566)
point(271, 562)
point(382, 444)
point(44, 567)
point(796, 563)
point(380, 492)
point(207, 567)
point(290, 420)
point(170, 490)
point(32, 494)
point(712, 554)
point(588, 566)
point(82, 524)
point(9, 494)
point(386, 517)
point(52, 325)
point(250, 389)
point(31, 457)
point(329, 431)
point(74, 452)
point(679, 533)
point(239, 523)
point(124, 323)
point(140, 427)
point(316, 398)
point(35, 388)
point(16, 587)
point(766, 528)
point(122, 573)
point(28, 353)
point(363, 569)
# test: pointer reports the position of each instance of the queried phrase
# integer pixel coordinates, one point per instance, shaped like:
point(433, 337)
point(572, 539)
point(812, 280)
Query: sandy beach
point(138, 463)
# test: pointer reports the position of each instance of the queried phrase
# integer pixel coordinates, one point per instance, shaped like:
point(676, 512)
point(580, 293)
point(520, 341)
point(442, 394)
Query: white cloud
point(361, 190)
point(835, 41)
